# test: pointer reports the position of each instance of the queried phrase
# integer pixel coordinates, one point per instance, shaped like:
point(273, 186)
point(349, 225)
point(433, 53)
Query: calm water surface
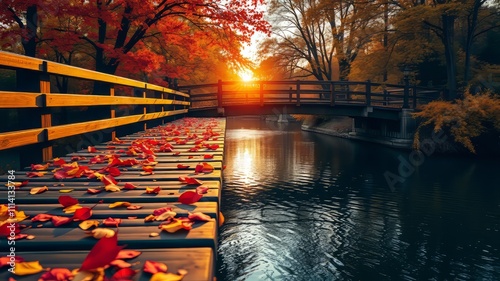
point(304, 206)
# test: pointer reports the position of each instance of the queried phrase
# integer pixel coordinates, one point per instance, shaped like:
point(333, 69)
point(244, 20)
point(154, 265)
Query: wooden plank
point(102, 211)
point(57, 132)
point(20, 100)
point(20, 138)
point(132, 196)
point(141, 185)
point(61, 100)
point(183, 157)
point(199, 262)
point(202, 235)
point(18, 61)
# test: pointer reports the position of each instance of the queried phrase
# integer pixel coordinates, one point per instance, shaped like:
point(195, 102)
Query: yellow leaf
point(88, 224)
point(119, 204)
point(160, 276)
point(172, 227)
point(99, 233)
point(65, 190)
point(20, 216)
point(38, 190)
point(112, 187)
point(27, 268)
point(71, 209)
point(89, 275)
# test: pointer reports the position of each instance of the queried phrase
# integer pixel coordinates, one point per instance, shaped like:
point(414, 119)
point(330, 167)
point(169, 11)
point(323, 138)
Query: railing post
point(332, 93)
point(219, 94)
point(113, 110)
point(368, 93)
point(46, 116)
point(297, 89)
point(145, 110)
point(261, 92)
point(414, 97)
point(406, 92)
point(386, 96)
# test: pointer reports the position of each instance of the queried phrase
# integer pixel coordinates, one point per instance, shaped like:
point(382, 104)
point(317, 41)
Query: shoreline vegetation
point(471, 124)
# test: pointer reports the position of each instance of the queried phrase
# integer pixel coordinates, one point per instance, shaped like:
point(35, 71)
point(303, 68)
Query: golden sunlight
point(246, 75)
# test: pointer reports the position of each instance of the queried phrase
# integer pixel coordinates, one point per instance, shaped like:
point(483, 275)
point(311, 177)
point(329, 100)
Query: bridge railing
point(151, 102)
point(297, 92)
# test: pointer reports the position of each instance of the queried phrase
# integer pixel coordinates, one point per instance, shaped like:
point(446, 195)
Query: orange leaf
point(41, 217)
point(94, 190)
point(199, 216)
point(123, 274)
point(129, 185)
point(207, 168)
point(38, 190)
point(201, 190)
point(120, 263)
point(153, 190)
point(112, 222)
point(39, 167)
point(59, 274)
point(189, 197)
point(127, 254)
point(103, 252)
point(35, 174)
point(58, 220)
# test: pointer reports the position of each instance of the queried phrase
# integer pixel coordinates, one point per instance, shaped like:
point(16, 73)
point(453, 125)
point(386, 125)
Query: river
point(305, 206)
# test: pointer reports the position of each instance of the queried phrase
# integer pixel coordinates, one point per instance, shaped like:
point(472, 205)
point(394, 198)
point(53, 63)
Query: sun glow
point(246, 75)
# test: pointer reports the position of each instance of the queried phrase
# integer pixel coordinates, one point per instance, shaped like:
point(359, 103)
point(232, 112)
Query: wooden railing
point(225, 93)
point(162, 102)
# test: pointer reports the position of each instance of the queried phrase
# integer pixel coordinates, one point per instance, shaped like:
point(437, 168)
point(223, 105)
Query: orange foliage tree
point(465, 119)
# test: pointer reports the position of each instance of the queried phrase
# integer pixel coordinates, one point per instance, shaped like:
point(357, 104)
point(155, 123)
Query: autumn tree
point(311, 36)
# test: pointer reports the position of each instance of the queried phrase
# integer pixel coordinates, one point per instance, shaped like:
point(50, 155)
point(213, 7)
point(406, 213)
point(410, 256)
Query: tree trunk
point(449, 50)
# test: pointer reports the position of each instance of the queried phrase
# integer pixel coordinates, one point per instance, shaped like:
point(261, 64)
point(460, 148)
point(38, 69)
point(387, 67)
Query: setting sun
point(246, 75)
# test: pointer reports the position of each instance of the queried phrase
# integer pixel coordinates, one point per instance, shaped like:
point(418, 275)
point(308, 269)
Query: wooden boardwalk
point(186, 142)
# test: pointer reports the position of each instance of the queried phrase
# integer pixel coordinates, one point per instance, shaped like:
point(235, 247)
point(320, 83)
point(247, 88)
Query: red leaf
point(201, 189)
point(83, 214)
point(41, 217)
point(182, 167)
point(208, 156)
point(39, 167)
point(103, 252)
point(112, 222)
point(127, 254)
point(162, 210)
point(57, 274)
point(199, 168)
point(207, 168)
point(190, 181)
point(123, 274)
point(58, 162)
point(199, 216)
point(129, 185)
point(67, 201)
point(6, 230)
point(58, 220)
point(189, 197)
point(113, 171)
point(6, 260)
point(107, 180)
point(154, 267)
point(91, 149)
point(151, 190)
point(35, 174)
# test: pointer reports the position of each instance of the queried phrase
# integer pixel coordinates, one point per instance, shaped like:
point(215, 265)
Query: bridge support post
point(407, 125)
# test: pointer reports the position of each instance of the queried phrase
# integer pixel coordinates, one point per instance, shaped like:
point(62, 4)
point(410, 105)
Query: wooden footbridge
point(155, 192)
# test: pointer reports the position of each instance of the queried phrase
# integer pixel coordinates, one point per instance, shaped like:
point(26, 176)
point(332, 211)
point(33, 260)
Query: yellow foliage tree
point(464, 119)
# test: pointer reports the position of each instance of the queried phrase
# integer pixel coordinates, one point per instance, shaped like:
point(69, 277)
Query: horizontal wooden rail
point(167, 102)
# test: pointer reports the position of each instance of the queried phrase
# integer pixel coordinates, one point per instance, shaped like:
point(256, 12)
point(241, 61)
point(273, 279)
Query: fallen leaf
point(221, 219)
point(201, 189)
point(30, 237)
point(154, 234)
point(112, 188)
point(123, 274)
point(41, 217)
point(4, 261)
point(162, 210)
point(182, 167)
point(57, 274)
point(94, 190)
point(82, 214)
point(28, 268)
point(146, 173)
point(120, 263)
point(154, 267)
point(166, 277)
point(38, 190)
point(199, 216)
point(100, 233)
point(35, 174)
point(39, 167)
point(153, 190)
point(91, 149)
point(65, 190)
point(208, 156)
point(88, 224)
point(189, 197)
point(129, 186)
point(103, 252)
point(190, 181)
point(58, 220)
point(134, 207)
point(59, 161)
point(67, 200)
point(112, 222)
point(207, 168)
point(119, 204)
point(71, 209)
point(127, 254)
